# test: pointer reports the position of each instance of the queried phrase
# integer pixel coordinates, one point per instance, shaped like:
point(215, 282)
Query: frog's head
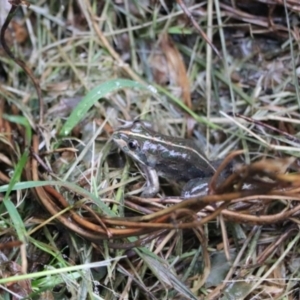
point(130, 139)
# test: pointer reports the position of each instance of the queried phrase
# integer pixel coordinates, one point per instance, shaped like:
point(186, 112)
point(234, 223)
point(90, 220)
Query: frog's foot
point(195, 188)
point(150, 191)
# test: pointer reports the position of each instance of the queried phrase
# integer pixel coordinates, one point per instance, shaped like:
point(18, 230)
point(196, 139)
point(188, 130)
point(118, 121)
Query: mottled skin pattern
point(173, 158)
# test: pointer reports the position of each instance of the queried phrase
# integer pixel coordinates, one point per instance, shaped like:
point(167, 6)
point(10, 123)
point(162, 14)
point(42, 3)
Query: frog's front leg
point(152, 182)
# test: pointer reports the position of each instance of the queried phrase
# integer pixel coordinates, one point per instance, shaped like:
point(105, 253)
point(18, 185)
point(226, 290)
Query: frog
point(159, 155)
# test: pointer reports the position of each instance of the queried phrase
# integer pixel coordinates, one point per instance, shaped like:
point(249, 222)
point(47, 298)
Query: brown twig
point(257, 122)
point(198, 28)
point(126, 68)
point(17, 60)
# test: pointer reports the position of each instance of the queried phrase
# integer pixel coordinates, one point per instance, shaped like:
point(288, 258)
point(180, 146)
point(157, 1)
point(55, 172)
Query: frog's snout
point(119, 140)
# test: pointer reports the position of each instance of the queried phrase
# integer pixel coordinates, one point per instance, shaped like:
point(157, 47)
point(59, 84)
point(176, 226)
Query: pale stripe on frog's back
point(157, 154)
point(168, 141)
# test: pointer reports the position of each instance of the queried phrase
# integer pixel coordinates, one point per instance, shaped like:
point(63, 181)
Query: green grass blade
point(11, 209)
point(69, 185)
point(22, 121)
point(92, 97)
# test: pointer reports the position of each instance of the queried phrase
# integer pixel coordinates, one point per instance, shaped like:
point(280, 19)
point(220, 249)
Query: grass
point(72, 200)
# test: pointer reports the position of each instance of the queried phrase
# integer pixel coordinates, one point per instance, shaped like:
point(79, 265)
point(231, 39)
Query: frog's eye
point(133, 144)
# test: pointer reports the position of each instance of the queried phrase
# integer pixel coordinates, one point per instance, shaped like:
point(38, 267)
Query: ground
point(221, 73)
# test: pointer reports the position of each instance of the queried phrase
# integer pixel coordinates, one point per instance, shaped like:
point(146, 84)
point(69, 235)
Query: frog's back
point(180, 159)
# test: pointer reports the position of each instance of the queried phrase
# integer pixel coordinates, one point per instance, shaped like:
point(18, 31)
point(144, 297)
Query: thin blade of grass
point(10, 207)
point(92, 97)
point(22, 121)
point(70, 186)
point(59, 271)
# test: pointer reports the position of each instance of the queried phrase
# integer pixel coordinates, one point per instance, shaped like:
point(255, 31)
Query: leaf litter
point(166, 247)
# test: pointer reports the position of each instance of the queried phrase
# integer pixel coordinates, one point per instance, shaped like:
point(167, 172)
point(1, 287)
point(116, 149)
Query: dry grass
point(72, 223)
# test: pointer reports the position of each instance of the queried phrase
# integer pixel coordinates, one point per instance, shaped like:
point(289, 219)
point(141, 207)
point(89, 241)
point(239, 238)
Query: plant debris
point(223, 74)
